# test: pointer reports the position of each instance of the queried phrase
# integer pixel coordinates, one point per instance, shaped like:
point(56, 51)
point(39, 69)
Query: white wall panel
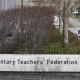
point(7, 4)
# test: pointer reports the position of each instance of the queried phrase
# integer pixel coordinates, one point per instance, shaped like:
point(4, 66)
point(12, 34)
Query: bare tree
point(63, 8)
point(26, 29)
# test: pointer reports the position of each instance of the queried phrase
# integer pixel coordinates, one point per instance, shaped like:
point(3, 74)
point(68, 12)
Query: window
point(78, 31)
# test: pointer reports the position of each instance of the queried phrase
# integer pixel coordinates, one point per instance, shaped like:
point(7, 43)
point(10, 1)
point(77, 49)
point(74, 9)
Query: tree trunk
point(65, 30)
point(60, 24)
point(65, 24)
point(60, 20)
point(21, 3)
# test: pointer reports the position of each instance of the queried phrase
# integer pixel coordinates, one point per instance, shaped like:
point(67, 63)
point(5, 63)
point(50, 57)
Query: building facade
point(33, 3)
point(7, 4)
point(10, 4)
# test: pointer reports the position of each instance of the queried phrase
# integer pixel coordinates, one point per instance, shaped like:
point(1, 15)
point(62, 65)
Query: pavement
point(38, 76)
point(76, 25)
point(74, 22)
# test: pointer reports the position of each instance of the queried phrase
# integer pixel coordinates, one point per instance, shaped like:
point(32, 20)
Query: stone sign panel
point(39, 63)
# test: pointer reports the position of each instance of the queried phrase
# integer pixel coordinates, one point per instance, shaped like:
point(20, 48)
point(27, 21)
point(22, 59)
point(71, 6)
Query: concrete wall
point(32, 3)
point(25, 3)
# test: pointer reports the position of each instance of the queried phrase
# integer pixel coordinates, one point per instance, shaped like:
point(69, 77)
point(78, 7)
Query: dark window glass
point(78, 31)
